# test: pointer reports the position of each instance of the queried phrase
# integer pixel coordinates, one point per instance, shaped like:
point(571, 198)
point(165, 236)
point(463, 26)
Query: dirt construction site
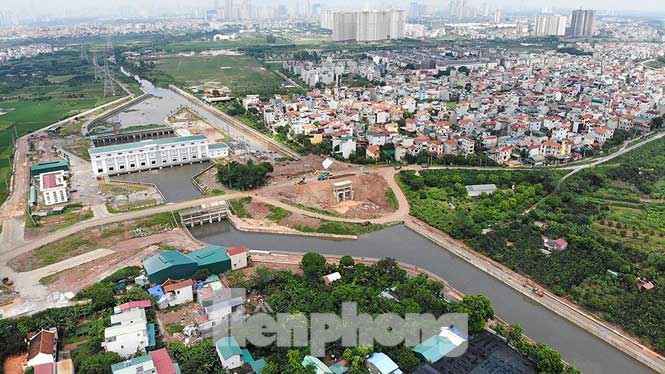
point(188, 120)
point(370, 196)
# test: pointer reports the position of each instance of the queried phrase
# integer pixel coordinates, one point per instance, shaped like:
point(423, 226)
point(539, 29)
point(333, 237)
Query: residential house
point(319, 367)
point(155, 362)
point(129, 333)
point(373, 152)
point(380, 363)
point(139, 304)
point(178, 292)
point(42, 347)
point(331, 278)
point(229, 352)
point(219, 304)
point(500, 155)
point(53, 187)
point(238, 257)
point(438, 346)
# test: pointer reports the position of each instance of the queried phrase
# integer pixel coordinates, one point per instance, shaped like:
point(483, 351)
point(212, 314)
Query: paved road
point(258, 136)
point(17, 201)
point(567, 310)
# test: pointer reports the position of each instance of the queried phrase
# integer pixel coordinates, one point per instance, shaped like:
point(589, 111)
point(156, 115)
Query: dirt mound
point(370, 196)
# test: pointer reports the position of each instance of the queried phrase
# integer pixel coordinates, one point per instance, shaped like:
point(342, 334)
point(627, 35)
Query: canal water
point(175, 183)
point(165, 102)
point(589, 354)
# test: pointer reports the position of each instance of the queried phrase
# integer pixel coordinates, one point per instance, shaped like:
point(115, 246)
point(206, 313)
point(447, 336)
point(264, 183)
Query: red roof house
point(163, 362)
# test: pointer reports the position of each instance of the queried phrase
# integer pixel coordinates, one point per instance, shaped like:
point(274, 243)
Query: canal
point(588, 353)
point(164, 102)
point(175, 183)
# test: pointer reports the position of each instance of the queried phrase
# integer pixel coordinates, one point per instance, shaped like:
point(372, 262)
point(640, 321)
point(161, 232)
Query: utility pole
point(95, 65)
point(109, 88)
point(84, 54)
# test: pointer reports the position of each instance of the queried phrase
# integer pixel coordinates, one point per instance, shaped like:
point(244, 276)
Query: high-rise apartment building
point(327, 19)
point(551, 25)
point(581, 23)
point(367, 26)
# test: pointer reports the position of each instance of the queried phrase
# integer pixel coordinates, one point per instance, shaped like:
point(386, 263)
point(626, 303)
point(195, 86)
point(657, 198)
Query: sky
point(59, 8)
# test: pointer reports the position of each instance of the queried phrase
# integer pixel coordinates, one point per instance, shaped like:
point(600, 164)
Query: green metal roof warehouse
point(48, 166)
point(212, 258)
point(168, 264)
point(176, 265)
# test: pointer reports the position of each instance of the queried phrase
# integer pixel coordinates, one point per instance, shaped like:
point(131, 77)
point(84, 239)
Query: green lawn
point(243, 74)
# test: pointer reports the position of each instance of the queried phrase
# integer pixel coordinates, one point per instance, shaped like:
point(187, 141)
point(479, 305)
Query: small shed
point(331, 278)
point(169, 264)
point(479, 189)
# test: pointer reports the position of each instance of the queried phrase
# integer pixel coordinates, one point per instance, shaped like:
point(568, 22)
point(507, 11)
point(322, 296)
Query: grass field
point(58, 86)
point(243, 74)
point(206, 45)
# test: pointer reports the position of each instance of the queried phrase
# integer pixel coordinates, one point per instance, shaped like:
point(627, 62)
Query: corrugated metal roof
point(211, 254)
point(47, 166)
point(141, 144)
point(164, 260)
point(228, 347)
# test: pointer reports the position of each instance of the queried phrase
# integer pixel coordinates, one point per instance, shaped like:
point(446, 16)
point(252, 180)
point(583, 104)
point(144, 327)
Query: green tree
point(12, 339)
point(346, 261)
point(244, 176)
point(514, 335)
point(355, 357)
point(100, 294)
point(548, 360)
point(312, 263)
point(98, 363)
point(406, 359)
point(199, 358)
point(479, 309)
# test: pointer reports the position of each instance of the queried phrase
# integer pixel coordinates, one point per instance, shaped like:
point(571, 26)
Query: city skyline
point(154, 8)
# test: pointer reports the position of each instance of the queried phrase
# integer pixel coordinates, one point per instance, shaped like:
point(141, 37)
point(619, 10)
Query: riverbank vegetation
point(287, 292)
point(610, 216)
point(243, 177)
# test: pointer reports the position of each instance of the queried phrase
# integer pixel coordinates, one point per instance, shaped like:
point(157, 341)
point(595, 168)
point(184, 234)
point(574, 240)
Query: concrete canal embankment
point(577, 346)
point(248, 131)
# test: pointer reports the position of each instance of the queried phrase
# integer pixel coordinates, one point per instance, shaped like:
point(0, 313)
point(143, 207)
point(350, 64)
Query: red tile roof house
point(559, 244)
point(163, 362)
point(42, 347)
point(178, 292)
point(143, 304)
point(372, 152)
point(238, 257)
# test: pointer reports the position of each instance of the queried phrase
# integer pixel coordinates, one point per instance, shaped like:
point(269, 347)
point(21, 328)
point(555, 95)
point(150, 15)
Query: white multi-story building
point(129, 333)
point(148, 154)
point(553, 25)
point(327, 19)
point(367, 26)
point(53, 187)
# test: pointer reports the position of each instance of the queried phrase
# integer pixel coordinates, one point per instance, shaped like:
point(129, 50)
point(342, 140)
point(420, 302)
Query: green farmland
point(242, 74)
point(38, 91)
